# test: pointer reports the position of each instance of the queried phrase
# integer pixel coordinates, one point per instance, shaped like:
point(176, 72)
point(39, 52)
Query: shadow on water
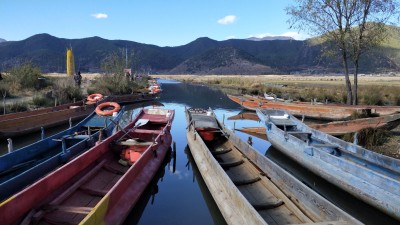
point(149, 195)
point(212, 206)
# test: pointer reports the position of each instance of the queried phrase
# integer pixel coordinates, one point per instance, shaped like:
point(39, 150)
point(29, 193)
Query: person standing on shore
point(78, 78)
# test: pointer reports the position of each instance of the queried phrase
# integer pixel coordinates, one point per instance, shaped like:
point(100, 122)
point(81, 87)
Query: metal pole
point(10, 145)
point(42, 133)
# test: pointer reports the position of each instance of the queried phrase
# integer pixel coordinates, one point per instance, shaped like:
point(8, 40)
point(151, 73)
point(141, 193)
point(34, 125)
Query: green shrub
point(24, 76)
point(14, 107)
point(42, 101)
point(65, 90)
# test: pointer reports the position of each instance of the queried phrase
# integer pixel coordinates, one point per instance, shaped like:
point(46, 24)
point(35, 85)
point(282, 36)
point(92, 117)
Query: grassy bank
point(373, 90)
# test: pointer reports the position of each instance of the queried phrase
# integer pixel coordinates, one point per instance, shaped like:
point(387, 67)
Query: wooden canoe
point(373, 109)
point(100, 186)
point(17, 124)
point(24, 166)
point(369, 176)
point(247, 115)
point(337, 128)
point(314, 111)
point(247, 187)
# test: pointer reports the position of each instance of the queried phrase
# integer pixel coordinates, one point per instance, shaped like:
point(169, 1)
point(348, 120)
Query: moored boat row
point(247, 187)
point(336, 128)
point(314, 111)
point(24, 166)
point(94, 187)
point(17, 124)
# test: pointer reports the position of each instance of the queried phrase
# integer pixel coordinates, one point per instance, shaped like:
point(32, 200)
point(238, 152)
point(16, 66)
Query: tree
point(351, 26)
point(115, 81)
point(24, 76)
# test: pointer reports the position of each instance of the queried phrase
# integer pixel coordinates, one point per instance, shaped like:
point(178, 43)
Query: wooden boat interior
point(264, 195)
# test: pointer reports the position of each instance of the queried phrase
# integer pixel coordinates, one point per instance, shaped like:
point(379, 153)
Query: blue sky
point(158, 22)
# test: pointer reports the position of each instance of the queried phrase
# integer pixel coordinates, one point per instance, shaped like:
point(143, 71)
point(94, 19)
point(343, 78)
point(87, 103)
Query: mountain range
point(201, 56)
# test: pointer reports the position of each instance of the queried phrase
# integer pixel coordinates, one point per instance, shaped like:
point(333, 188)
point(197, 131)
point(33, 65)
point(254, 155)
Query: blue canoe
point(27, 164)
point(369, 176)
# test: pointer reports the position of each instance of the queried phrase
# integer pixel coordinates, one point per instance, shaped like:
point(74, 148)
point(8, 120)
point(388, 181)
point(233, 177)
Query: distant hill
point(222, 60)
point(2, 40)
point(270, 38)
point(201, 56)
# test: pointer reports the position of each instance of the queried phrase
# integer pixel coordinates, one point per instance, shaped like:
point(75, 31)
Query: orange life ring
point(100, 112)
point(95, 97)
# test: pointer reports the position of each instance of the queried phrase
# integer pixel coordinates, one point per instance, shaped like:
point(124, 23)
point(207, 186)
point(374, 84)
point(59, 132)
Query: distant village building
point(70, 62)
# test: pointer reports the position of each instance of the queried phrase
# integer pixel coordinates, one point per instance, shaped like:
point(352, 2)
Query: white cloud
point(295, 35)
point(227, 20)
point(100, 15)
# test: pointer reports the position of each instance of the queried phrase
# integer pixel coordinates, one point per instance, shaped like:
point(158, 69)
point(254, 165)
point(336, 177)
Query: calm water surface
point(178, 195)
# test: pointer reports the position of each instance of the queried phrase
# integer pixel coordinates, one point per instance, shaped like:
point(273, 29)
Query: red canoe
point(102, 185)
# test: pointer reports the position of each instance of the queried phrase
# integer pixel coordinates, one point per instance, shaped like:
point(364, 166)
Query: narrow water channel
point(178, 194)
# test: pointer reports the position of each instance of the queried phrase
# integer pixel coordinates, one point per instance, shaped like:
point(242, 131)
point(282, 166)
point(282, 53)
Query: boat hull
point(36, 160)
point(340, 128)
point(320, 112)
point(368, 176)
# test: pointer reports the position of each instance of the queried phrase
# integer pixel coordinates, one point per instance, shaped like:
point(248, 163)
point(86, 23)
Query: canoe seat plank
point(134, 143)
point(68, 209)
point(219, 152)
point(76, 185)
point(144, 131)
point(247, 181)
point(324, 223)
point(94, 191)
point(299, 132)
point(54, 219)
point(283, 122)
point(112, 169)
point(79, 137)
point(324, 145)
point(266, 206)
point(227, 165)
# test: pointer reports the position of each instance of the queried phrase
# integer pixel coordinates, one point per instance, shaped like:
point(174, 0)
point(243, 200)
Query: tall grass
point(369, 137)
point(14, 107)
point(300, 88)
point(116, 84)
